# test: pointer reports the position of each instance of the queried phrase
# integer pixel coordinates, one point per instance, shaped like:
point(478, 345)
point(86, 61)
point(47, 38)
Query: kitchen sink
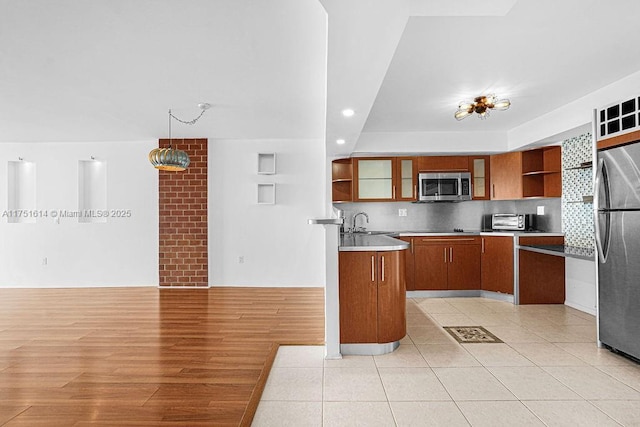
point(369, 232)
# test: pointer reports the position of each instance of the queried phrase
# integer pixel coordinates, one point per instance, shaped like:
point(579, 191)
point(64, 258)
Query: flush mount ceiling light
point(172, 159)
point(348, 112)
point(481, 105)
point(340, 141)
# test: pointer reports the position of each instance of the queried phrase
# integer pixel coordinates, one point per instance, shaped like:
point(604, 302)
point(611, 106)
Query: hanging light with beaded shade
point(173, 159)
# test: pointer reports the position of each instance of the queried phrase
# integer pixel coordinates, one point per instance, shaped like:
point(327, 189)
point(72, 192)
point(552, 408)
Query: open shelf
point(542, 172)
point(266, 163)
point(538, 173)
point(342, 180)
point(584, 165)
point(266, 194)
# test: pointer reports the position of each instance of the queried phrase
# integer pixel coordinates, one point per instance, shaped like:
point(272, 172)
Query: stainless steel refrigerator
point(618, 244)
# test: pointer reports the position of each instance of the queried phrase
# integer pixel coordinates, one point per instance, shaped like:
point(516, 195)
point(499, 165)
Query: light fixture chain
point(190, 122)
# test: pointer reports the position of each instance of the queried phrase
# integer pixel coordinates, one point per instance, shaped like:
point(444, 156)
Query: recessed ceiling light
point(340, 141)
point(348, 112)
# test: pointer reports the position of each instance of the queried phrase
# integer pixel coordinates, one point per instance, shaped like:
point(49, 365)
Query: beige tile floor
point(548, 371)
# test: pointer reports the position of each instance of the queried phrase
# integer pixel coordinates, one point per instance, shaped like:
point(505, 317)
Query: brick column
point(183, 218)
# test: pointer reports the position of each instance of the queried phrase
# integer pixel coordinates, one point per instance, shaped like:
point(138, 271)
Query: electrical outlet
point(402, 212)
point(44, 261)
point(241, 259)
point(540, 210)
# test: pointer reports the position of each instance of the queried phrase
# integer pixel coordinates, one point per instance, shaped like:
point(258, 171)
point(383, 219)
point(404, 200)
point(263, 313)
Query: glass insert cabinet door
point(407, 184)
point(480, 173)
point(375, 179)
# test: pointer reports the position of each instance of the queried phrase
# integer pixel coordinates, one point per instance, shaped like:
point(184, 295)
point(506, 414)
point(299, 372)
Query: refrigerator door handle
point(600, 242)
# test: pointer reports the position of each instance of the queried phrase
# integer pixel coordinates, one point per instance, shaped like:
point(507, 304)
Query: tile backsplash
point(577, 216)
point(447, 216)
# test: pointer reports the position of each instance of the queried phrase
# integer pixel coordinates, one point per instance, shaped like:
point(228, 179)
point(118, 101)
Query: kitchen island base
point(366, 349)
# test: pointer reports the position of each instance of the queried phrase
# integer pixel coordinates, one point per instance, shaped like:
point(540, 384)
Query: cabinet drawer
point(447, 240)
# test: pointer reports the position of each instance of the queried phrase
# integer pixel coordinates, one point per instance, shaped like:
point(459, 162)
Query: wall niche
point(21, 191)
point(92, 191)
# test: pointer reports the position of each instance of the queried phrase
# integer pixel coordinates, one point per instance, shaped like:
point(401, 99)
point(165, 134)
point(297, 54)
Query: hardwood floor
point(145, 356)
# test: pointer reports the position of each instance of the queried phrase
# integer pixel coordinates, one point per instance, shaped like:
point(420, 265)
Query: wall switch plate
point(402, 212)
point(540, 210)
point(241, 259)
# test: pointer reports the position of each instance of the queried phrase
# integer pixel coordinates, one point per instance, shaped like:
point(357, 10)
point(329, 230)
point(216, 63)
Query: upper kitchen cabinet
point(443, 163)
point(480, 173)
point(384, 179)
point(342, 180)
point(524, 174)
point(542, 172)
point(406, 179)
point(375, 179)
point(506, 176)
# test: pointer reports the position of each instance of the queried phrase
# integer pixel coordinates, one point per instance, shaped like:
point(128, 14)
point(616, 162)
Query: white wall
point(580, 283)
point(278, 245)
point(120, 252)
point(573, 115)
point(431, 142)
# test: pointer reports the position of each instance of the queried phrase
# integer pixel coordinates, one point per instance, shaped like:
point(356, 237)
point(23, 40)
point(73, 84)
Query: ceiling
point(541, 55)
point(108, 70)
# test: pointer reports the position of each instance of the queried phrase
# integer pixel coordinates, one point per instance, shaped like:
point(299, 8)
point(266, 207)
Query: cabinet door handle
point(394, 192)
point(493, 190)
point(411, 245)
point(445, 255)
point(415, 191)
point(382, 267)
point(450, 254)
point(373, 268)
point(483, 245)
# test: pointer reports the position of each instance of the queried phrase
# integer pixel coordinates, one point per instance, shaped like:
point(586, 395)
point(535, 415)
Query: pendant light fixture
point(481, 105)
point(172, 159)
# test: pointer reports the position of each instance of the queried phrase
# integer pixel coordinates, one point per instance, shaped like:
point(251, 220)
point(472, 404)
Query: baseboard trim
point(462, 294)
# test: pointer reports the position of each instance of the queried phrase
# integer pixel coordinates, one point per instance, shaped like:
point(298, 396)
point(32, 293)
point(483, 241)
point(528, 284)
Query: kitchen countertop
point(561, 250)
point(385, 241)
point(370, 242)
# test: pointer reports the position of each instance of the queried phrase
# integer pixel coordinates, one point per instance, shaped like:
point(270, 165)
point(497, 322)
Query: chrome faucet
point(354, 228)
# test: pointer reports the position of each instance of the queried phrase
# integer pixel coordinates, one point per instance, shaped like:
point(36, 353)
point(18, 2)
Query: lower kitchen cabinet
point(541, 277)
point(447, 263)
point(372, 296)
point(409, 269)
point(497, 264)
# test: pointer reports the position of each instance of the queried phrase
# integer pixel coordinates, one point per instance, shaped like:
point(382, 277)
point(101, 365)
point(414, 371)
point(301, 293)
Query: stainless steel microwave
point(444, 187)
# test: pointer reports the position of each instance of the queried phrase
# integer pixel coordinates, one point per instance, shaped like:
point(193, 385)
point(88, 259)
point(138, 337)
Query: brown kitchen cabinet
point(542, 172)
point(497, 264)
point(447, 263)
point(506, 176)
point(372, 296)
point(342, 180)
point(406, 179)
point(526, 174)
point(409, 263)
point(541, 277)
point(384, 179)
point(480, 177)
point(443, 163)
